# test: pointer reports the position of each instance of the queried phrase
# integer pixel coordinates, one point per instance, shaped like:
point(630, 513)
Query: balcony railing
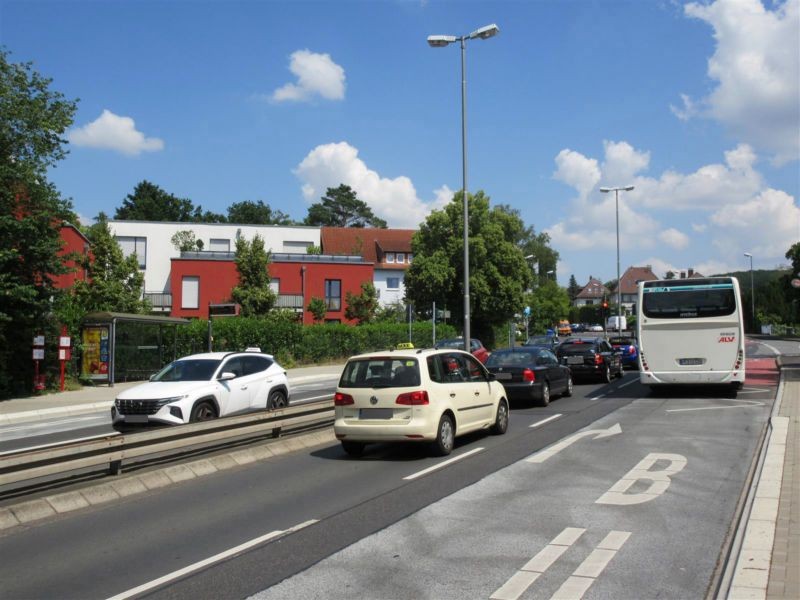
point(289, 301)
point(160, 301)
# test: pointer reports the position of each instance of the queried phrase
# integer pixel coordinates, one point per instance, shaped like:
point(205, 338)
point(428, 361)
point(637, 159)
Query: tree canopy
point(499, 272)
point(149, 202)
point(34, 120)
point(256, 213)
point(341, 207)
point(253, 292)
point(362, 307)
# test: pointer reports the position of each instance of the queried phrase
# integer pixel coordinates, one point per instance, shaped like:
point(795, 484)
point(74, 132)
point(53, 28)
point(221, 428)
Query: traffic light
point(605, 303)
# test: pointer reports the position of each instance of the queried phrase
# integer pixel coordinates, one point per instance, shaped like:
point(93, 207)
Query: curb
point(116, 488)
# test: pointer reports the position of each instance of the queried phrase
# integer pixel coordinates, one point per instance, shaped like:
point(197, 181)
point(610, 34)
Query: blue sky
point(695, 104)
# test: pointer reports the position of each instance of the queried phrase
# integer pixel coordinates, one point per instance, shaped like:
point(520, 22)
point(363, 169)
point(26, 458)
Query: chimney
point(691, 272)
point(683, 274)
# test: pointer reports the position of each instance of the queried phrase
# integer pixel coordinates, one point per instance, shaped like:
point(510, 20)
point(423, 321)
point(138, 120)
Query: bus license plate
point(688, 362)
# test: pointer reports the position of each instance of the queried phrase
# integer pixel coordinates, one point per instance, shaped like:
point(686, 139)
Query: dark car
point(475, 347)
point(628, 349)
point(550, 342)
point(590, 358)
point(530, 373)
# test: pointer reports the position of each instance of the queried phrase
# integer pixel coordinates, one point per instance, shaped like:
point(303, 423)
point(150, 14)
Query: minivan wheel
point(545, 399)
point(203, 411)
point(276, 400)
point(354, 449)
point(445, 436)
point(501, 420)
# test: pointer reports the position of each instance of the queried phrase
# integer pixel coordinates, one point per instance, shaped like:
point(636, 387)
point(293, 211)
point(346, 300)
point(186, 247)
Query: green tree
point(573, 289)
point(499, 273)
point(317, 309)
point(341, 207)
point(313, 250)
point(549, 303)
point(114, 282)
point(362, 307)
point(149, 202)
point(256, 213)
point(185, 241)
point(253, 292)
point(33, 120)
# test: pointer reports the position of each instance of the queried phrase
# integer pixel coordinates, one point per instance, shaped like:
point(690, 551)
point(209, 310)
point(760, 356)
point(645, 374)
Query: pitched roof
point(632, 276)
point(369, 242)
point(594, 289)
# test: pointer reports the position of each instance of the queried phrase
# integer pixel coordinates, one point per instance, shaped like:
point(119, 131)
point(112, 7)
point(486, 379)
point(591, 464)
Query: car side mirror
point(227, 376)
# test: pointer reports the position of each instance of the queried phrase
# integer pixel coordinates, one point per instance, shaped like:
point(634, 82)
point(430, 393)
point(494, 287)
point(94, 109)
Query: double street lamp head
point(627, 188)
point(439, 41)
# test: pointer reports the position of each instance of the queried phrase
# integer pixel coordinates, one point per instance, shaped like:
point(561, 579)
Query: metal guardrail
point(114, 450)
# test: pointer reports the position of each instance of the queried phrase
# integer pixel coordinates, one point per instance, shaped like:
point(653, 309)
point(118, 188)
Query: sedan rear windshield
point(500, 358)
point(380, 372)
point(579, 348)
point(188, 370)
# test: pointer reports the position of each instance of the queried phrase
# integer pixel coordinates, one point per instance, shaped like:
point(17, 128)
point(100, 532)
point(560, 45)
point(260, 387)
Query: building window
point(190, 292)
point(134, 245)
point(333, 294)
point(393, 283)
point(219, 245)
point(401, 257)
point(409, 259)
point(275, 285)
point(390, 257)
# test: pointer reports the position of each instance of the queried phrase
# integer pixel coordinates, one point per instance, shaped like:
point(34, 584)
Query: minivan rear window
point(380, 372)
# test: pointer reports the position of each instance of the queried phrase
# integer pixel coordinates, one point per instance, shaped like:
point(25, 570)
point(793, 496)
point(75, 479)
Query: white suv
point(416, 396)
point(205, 386)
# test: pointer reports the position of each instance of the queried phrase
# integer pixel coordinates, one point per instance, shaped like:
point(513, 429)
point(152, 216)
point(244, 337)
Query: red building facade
point(75, 245)
point(198, 279)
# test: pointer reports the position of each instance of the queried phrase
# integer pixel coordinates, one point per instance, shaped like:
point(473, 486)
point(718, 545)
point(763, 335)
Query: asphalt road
point(381, 527)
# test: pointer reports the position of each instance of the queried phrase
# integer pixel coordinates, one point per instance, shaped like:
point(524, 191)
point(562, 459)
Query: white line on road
point(597, 397)
point(543, 421)
point(543, 455)
point(209, 561)
point(442, 464)
point(747, 404)
point(592, 567)
point(627, 384)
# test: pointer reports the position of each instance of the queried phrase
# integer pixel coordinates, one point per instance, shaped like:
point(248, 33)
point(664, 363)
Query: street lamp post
point(439, 41)
point(616, 191)
point(752, 291)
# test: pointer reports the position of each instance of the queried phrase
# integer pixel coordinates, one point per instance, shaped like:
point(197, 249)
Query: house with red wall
point(198, 279)
point(75, 246)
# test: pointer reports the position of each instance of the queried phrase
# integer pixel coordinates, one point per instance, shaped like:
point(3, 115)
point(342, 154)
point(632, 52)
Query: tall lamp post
point(752, 291)
point(616, 191)
point(439, 41)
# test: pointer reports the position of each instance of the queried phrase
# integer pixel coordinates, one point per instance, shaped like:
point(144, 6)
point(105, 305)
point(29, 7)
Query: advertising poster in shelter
point(94, 364)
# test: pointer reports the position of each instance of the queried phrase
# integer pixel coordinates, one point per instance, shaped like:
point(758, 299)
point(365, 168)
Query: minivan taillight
point(528, 375)
point(413, 398)
point(340, 399)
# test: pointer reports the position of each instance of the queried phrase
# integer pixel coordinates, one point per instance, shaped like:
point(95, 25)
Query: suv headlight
point(165, 401)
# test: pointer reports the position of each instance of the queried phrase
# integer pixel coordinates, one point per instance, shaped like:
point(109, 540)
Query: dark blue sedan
point(628, 349)
point(530, 373)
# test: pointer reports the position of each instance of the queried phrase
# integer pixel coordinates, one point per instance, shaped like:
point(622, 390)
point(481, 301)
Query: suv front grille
point(137, 407)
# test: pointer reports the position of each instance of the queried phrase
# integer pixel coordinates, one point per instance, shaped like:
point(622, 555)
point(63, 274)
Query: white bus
point(690, 331)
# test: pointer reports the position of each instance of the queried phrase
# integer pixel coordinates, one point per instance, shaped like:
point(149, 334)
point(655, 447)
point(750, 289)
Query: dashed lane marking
point(442, 464)
point(746, 403)
point(543, 421)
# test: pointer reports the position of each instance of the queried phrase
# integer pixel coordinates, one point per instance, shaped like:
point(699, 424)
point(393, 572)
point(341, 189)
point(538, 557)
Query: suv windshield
point(200, 369)
point(380, 372)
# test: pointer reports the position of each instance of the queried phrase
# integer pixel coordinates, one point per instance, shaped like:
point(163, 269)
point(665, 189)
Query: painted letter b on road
point(659, 480)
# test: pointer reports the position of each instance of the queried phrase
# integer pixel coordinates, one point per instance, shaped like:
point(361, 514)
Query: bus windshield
point(681, 300)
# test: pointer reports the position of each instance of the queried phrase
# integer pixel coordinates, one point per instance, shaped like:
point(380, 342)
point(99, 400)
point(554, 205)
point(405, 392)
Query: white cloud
point(112, 132)
point(622, 162)
point(699, 227)
point(756, 65)
point(317, 75)
point(674, 238)
point(577, 171)
point(394, 200)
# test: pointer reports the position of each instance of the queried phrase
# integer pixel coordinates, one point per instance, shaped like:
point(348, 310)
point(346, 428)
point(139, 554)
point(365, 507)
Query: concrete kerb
point(131, 485)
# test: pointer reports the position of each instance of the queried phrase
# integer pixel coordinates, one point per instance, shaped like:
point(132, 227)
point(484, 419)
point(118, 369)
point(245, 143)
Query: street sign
point(796, 283)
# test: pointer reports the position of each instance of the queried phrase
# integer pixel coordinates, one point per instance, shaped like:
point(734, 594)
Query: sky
point(695, 104)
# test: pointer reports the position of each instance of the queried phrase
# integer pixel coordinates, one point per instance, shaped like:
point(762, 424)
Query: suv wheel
point(501, 420)
point(203, 411)
point(445, 436)
point(354, 449)
point(276, 400)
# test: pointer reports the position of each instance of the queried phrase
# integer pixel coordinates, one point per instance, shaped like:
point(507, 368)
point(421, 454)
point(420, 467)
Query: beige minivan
point(416, 396)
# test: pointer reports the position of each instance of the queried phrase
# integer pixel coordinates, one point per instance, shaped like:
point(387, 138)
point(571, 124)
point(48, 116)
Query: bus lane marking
point(746, 403)
point(659, 480)
point(543, 455)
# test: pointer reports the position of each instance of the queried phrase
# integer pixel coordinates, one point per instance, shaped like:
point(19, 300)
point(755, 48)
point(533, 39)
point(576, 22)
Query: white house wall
point(277, 238)
point(387, 295)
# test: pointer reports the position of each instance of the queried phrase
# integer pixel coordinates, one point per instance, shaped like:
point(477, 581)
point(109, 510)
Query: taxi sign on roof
point(405, 346)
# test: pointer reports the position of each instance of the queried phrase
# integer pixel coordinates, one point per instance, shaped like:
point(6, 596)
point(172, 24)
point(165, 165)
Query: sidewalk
point(101, 397)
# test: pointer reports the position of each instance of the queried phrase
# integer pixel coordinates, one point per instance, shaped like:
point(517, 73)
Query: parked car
point(563, 327)
point(595, 328)
point(628, 349)
point(530, 373)
point(590, 358)
point(543, 341)
point(205, 386)
point(475, 347)
point(432, 395)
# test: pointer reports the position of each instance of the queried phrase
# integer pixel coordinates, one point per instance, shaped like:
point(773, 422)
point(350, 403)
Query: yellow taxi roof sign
point(405, 346)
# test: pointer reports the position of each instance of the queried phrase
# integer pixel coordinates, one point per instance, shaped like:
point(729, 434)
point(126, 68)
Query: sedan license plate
point(375, 413)
point(574, 360)
point(502, 375)
point(136, 418)
point(690, 361)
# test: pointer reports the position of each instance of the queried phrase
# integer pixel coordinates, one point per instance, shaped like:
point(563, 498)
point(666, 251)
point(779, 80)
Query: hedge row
point(294, 344)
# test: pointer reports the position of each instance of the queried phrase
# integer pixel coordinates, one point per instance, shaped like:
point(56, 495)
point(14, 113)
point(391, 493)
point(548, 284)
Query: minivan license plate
point(375, 413)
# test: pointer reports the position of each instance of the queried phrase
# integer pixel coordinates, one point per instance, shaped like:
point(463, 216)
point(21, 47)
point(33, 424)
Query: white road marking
point(209, 561)
point(543, 455)
point(592, 567)
point(628, 383)
point(442, 464)
point(42, 424)
point(597, 397)
point(747, 403)
point(659, 480)
point(522, 579)
point(543, 421)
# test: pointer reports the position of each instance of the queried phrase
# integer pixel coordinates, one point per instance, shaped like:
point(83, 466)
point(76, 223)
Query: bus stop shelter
point(126, 347)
